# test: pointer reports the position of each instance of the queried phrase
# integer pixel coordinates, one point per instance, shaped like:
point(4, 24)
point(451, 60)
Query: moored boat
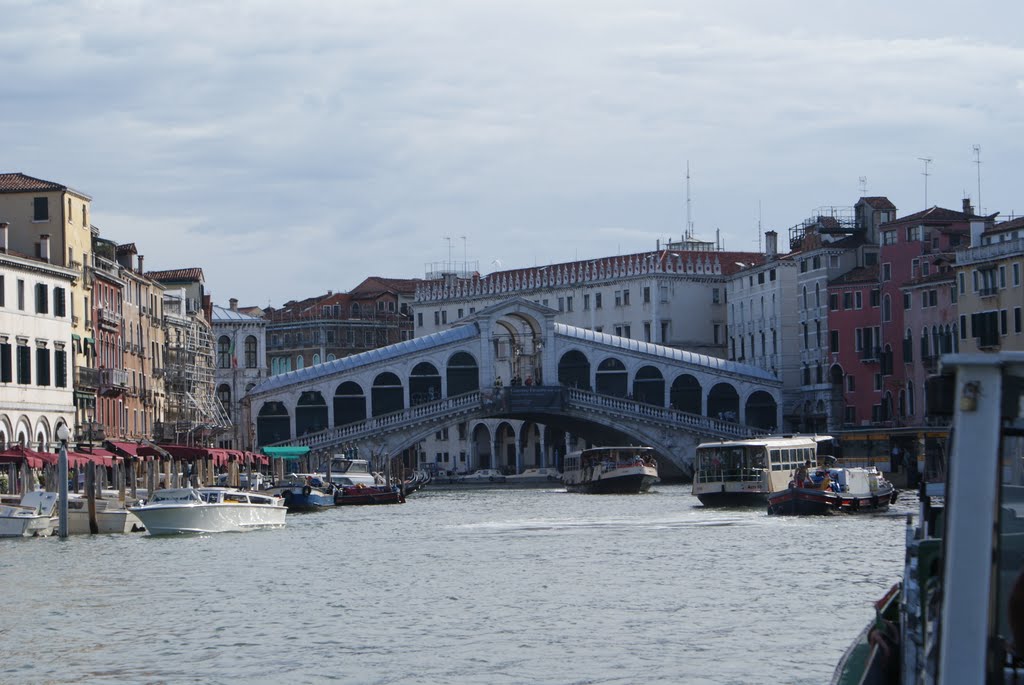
point(744, 472)
point(361, 493)
point(304, 492)
point(210, 510)
point(31, 517)
point(112, 516)
point(610, 470)
point(538, 477)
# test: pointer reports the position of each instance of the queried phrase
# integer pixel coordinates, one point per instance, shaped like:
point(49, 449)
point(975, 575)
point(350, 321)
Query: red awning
point(36, 460)
point(129, 448)
point(100, 457)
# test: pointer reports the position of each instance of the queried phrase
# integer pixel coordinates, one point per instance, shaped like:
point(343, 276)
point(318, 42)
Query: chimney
point(3, 235)
point(771, 244)
point(141, 271)
point(44, 247)
point(234, 304)
point(968, 209)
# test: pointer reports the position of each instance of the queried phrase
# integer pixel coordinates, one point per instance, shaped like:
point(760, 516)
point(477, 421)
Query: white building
point(36, 343)
point(241, 353)
point(673, 296)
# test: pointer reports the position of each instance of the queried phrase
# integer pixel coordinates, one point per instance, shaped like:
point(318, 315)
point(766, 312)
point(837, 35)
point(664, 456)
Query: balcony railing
point(108, 316)
point(113, 381)
point(86, 378)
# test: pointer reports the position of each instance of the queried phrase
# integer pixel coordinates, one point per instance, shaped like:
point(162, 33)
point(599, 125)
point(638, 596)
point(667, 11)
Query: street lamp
point(62, 480)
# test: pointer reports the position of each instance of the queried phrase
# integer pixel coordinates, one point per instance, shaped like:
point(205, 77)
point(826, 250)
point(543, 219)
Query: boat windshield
point(349, 466)
point(167, 496)
point(730, 458)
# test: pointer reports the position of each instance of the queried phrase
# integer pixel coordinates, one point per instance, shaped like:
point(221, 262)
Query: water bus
point(606, 470)
point(745, 472)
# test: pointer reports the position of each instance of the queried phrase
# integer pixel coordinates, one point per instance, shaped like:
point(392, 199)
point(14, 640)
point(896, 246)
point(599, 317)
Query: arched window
point(250, 352)
point(886, 308)
point(299, 362)
point(316, 359)
point(817, 294)
point(224, 395)
point(223, 352)
point(805, 297)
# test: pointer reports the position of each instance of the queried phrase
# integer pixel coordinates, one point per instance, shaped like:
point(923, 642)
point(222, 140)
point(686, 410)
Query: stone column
point(519, 449)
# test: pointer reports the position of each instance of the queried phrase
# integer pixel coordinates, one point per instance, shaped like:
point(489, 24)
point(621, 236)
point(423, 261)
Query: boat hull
point(379, 494)
point(799, 501)
point(115, 521)
point(25, 526)
point(210, 518)
point(303, 498)
point(625, 484)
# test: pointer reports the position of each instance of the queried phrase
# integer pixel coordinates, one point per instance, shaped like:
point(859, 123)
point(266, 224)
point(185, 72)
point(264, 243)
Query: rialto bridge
point(575, 386)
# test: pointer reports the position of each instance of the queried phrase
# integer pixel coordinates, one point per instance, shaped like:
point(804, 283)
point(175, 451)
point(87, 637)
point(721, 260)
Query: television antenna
point(927, 161)
point(863, 181)
point(977, 160)
point(688, 234)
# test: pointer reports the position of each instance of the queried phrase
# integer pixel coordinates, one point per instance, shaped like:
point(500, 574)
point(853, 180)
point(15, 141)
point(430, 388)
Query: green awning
point(76, 336)
point(286, 452)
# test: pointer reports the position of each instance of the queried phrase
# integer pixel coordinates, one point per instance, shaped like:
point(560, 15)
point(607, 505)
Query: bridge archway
point(273, 423)
point(505, 446)
point(574, 370)
point(424, 384)
point(387, 394)
point(724, 401)
point(612, 378)
point(686, 394)
point(482, 447)
point(310, 413)
point(761, 410)
point(649, 386)
point(463, 374)
point(349, 404)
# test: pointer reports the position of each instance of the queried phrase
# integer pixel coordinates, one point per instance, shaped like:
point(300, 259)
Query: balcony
point(90, 431)
point(988, 292)
point(86, 378)
point(113, 382)
point(108, 318)
point(870, 354)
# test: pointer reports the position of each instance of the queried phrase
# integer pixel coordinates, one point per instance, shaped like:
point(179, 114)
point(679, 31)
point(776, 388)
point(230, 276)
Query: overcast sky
point(290, 148)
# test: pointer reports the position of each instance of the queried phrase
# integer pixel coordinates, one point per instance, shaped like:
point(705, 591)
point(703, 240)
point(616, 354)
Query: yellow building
point(50, 221)
point(989, 289)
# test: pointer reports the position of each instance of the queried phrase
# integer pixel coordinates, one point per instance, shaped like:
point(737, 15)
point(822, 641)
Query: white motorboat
point(32, 516)
point(210, 510)
point(610, 470)
point(112, 515)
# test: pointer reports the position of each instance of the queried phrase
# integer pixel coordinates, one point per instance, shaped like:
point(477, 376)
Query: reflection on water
point(528, 586)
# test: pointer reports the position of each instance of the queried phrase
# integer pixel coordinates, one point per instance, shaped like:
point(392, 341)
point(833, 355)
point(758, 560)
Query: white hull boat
point(33, 517)
point(210, 510)
point(112, 517)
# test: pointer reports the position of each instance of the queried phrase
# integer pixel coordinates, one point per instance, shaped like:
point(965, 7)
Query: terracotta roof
point(20, 183)
point(381, 284)
point(940, 276)
point(1010, 225)
point(879, 203)
point(862, 274)
point(933, 215)
point(174, 275)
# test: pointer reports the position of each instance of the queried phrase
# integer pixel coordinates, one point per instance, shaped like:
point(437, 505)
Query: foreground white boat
point(33, 516)
point(209, 510)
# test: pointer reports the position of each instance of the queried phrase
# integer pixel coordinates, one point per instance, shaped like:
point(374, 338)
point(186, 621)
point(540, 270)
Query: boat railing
point(728, 476)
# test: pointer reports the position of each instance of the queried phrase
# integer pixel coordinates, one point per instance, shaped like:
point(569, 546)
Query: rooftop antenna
point(863, 180)
point(465, 254)
point(449, 264)
point(688, 233)
point(927, 161)
point(758, 225)
point(977, 160)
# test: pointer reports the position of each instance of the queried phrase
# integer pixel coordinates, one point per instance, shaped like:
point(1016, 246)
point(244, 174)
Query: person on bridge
point(497, 382)
point(529, 380)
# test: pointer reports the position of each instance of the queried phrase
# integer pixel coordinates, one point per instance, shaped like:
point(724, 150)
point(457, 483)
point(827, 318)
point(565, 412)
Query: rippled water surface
point(515, 586)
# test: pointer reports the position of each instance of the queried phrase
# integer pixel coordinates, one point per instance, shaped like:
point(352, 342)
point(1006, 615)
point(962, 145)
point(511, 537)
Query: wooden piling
point(90, 495)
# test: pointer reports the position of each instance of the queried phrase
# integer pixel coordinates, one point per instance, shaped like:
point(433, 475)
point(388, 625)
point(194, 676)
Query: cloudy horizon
point(288, 150)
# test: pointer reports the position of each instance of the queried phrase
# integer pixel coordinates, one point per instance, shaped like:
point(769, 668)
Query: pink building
point(855, 344)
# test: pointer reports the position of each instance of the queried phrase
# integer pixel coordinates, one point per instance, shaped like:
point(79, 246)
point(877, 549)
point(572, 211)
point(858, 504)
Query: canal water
point(494, 586)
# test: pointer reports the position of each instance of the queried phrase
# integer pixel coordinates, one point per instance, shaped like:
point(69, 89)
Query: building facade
point(989, 290)
point(241, 347)
point(36, 393)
